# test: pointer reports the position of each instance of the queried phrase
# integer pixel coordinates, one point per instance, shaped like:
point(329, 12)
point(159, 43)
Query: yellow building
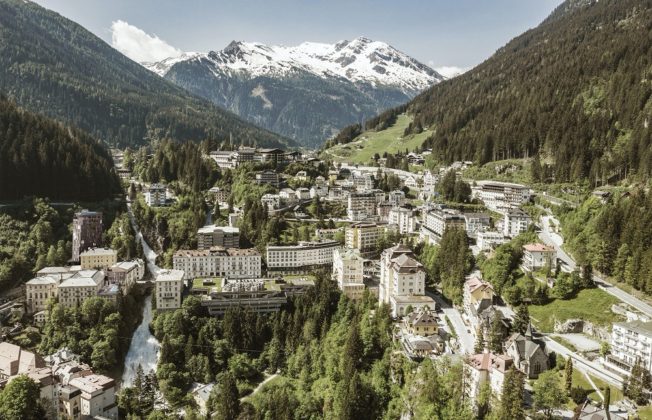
point(98, 258)
point(423, 322)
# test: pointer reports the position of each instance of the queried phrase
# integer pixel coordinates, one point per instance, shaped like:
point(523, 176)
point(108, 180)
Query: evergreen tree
point(497, 334)
point(638, 384)
point(511, 402)
point(521, 319)
point(479, 341)
point(569, 374)
point(224, 400)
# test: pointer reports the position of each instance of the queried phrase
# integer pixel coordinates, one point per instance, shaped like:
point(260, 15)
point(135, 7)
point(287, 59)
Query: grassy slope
point(592, 305)
point(362, 149)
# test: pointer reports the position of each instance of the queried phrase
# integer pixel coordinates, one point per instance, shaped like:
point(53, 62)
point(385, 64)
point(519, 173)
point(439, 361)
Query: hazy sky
point(441, 33)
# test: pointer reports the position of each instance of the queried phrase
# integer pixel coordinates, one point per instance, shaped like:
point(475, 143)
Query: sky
point(448, 35)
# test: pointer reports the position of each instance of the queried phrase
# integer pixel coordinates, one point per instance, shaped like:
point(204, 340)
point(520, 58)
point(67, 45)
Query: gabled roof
point(525, 345)
point(405, 263)
point(475, 283)
point(422, 318)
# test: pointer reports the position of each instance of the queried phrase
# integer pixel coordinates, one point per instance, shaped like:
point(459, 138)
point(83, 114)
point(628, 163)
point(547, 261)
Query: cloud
point(449, 71)
point(139, 45)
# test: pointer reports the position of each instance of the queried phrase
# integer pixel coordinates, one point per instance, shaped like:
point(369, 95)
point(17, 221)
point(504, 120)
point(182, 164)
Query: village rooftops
point(489, 361)
point(43, 280)
point(475, 283)
point(538, 248)
point(213, 228)
point(98, 252)
point(170, 275)
point(93, 383)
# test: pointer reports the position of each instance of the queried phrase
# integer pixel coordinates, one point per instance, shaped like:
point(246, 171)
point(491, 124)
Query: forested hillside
point(576, 90)
point(53, 66)
point(40, 157)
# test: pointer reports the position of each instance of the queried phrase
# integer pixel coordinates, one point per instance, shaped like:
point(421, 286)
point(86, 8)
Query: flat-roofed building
point(98, 258)
point(489, 239)
point(169, 287)
point(501, 196)
point(267, 177)
point(631, 341)
point(86, 232)
point(475, 223)
point(404, 219)
point(363, 236)
point(156, 195)
point(361, 206)
point(515, 222)
point(348, 271)
point(436, 221)
point(301, 257)
point(39, 290)
point(219, 262)
point(224, 236)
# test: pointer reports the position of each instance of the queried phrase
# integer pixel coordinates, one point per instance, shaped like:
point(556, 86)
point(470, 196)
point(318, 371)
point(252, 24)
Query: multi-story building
point(301, 257)
point(272, 201)
point(219, 194)
point(156, 195)
point(489, 239)
point(423, 322)
point(39, 290)
point(244, 155)
point(477, 294)
point(224, 158)
point(515, 222)
point(536, 256)
point(81, 286)
point(126, 274)
point(486, 368)
point(403, 218)
point(97, 396)
point(363, 237)
point(402, 281)
point(529, 353)
point(169, 286)
point(501, 196)
point(273, 156)
point(302, 193)
point(475, 223)
point(361, 206)
point(86, 232)
point(396, 198)
point(98, 258)
point(436, 221)
point(224, 236)
point(631, 341)
point(267, 177)
point(348, 271)
point(363, 182)
point(382, 211)
point(218, 262)
point(319, 191)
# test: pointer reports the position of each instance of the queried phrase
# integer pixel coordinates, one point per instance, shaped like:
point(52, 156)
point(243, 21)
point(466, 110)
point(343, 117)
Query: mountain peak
point(360, 60)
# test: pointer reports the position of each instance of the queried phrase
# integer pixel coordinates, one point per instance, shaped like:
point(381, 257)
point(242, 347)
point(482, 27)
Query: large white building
point(489, 239)
point(436, 221)
point(82, 285)
point(537, 256)
point(348, 271)
point(362, 236)
point(301, 257)
point(224, 236)
point(402, 281)
point(126, 274)
point(219, 262)
point(631, 341)
point(515, 222)
point(501, 196)
point(169, 286)
point(156, 195)
point(475, 223)
point(404, 218)
point(486, 368)
point(361, 206)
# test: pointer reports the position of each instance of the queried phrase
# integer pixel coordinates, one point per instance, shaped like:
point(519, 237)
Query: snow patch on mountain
point(360, 61)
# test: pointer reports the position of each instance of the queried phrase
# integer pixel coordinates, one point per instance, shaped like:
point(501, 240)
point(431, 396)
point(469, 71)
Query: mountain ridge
point(54, 66)
point(275, 86)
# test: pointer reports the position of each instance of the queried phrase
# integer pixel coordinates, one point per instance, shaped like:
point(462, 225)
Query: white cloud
point(139, 45)
point(450, 71)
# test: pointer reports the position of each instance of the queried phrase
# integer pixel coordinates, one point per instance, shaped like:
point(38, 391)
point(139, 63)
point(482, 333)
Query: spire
point(528, 331)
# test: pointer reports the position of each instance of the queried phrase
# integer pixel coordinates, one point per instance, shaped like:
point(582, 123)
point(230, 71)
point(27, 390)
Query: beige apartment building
point(98, 258)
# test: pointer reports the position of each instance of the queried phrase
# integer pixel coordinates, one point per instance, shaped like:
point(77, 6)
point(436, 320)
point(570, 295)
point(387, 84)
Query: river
point(144, 347)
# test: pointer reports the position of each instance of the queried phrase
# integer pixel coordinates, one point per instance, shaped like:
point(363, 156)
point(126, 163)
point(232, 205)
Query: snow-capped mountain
point(335, 84)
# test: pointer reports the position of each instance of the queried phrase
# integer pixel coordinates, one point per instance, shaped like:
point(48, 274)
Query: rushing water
point(144, 347)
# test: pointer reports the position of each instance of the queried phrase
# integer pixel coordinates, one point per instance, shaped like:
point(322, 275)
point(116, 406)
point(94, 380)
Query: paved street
point(466, 340)
point(584, 365)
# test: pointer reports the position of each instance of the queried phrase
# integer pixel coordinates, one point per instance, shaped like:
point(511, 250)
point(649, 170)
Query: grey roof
point(637, 326)
point(525, 346)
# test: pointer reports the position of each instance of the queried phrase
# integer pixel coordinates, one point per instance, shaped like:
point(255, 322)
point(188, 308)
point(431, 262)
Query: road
point(465, 338)
point(259, 387)
point(584, 365)
point(557, 241)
